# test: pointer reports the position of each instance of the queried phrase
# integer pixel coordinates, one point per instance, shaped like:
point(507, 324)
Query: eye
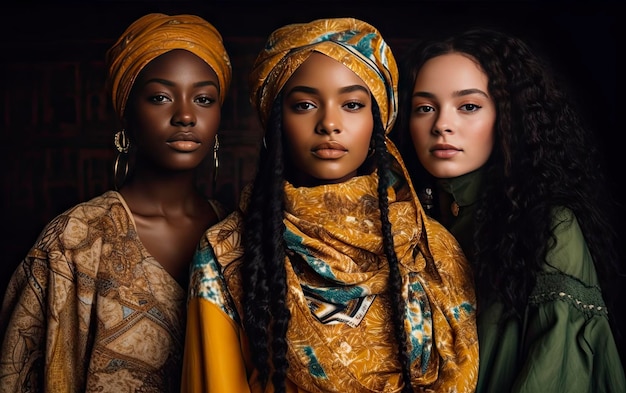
point(303, 106)
point(423, 109)
point(159, 98)
point(354, 105)
point(205, 100)
point(470, 107)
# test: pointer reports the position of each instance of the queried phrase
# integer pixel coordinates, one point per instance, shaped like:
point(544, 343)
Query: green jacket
point(564, 342)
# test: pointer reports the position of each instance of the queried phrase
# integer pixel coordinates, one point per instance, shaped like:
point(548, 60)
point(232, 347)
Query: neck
point(152, 192)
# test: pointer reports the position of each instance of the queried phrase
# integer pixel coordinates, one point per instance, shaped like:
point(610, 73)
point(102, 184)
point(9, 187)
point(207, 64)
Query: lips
point(444, 151)
point(444, 146)
point(184, 142)
point(184, 137)
point(329, 150)
point(332, 145)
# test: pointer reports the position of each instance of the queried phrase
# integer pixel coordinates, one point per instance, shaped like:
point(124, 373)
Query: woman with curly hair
point(329, 277)
point(503, 162)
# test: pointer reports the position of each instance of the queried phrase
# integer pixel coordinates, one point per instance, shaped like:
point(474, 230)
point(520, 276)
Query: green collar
point(465, 189)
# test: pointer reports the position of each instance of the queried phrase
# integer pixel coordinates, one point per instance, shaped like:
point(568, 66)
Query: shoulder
point(216, 262)
point(569, 253)
point(96, 206)
point(223, 241)
point(569, 273)
point(102, 216)
point(441, 241)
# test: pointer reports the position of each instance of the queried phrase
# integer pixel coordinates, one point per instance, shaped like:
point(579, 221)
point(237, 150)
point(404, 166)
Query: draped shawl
point(336, 265)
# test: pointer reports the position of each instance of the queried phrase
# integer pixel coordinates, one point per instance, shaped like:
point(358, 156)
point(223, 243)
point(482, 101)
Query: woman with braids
point(98, 304)
point(329, 277)
point(508, 168)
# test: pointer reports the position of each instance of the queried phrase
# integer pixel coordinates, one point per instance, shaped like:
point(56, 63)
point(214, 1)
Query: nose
point(184, 115)
point(443, 124)
point(329, 121)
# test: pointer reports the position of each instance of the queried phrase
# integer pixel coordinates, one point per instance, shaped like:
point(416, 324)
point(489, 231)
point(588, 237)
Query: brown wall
point(57, 125)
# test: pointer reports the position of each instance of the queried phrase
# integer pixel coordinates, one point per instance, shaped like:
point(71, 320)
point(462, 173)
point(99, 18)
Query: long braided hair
point(266, 316)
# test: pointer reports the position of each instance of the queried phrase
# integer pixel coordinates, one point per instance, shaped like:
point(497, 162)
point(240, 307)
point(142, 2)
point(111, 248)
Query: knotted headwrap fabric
point(354, 43)
point(154, 34)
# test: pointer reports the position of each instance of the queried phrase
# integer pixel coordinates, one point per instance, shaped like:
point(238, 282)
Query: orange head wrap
point(154, 34)
point(352, 42)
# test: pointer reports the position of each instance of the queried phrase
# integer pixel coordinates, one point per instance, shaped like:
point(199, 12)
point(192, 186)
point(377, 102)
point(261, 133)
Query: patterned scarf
point(336, 267)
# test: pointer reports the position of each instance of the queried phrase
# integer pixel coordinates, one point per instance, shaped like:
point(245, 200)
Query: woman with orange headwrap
point(329, 277)
point(98, 304)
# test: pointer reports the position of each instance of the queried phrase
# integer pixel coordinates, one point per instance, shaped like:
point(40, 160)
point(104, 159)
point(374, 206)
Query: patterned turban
point(354, 43)
point(154, 34)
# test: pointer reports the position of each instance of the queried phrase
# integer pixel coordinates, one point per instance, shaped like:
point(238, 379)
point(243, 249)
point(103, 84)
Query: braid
point(275, 253)
point(395, 279)
point(264, 251)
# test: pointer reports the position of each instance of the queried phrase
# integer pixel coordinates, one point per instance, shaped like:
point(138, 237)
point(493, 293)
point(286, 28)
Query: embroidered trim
point(559, 286)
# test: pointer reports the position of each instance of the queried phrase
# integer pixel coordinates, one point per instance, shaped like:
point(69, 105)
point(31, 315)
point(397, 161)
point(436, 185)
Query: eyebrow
point(458, 93)
point(170, 83)
point(312, 90)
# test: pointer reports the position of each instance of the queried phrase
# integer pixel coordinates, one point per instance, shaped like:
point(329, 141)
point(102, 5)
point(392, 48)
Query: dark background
point(57, 125)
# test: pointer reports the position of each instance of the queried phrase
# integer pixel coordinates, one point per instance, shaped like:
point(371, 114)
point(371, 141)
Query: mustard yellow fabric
point(90, 310)
point(219, 346)
point(352, 42)
point(347, 240)
point(334, 240)
point(154, 34)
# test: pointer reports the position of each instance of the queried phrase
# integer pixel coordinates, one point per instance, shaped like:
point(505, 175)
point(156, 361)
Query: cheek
point(211, 121)
point(150, 116)
point(483, 142)
point(487, 148)
point(365, 132)
point(419, 131)
point(293, 139)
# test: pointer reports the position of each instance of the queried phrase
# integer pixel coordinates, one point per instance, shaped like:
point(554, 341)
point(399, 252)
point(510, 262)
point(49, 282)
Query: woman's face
point(452, 116)
point(175, 111)
point(327, 120)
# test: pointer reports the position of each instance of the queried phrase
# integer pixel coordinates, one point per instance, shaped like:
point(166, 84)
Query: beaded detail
point(563, 287)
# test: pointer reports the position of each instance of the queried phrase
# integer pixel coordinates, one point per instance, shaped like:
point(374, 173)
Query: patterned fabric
point(354, 43)
point(333, 233)
point(335, 258)
point(154, 34)
point(89, 310)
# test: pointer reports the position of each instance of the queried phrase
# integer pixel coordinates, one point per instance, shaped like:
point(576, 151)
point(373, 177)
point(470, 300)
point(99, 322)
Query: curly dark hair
point(266, 317)
point(543, 157)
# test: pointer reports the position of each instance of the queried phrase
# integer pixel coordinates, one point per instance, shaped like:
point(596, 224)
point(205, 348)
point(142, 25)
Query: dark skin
point(173, 114)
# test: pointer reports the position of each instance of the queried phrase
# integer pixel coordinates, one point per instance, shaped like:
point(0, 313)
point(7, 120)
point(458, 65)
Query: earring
point(216, 161)
point(122, 144)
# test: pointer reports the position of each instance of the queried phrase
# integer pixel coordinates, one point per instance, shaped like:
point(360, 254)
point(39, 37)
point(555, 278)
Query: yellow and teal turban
point(154, 34)
point(354, 43)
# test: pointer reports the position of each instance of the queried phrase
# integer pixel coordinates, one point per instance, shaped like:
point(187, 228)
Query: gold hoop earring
point(122, 144)
point(216, 161)
point(118, 180)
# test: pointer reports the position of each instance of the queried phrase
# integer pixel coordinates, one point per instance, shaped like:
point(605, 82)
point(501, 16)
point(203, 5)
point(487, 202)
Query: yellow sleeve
point(213, 359)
